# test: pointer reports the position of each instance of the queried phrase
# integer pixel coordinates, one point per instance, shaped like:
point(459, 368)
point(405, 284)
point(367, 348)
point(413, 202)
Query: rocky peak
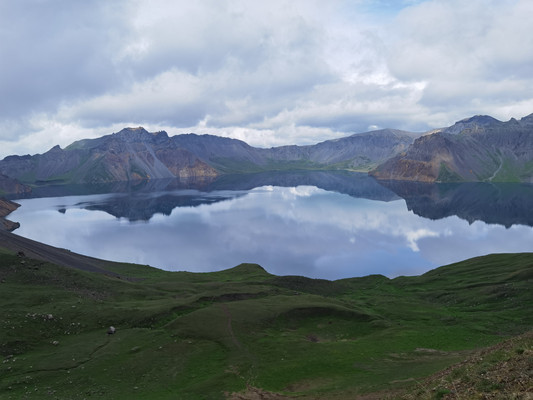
point(139, 134)
point(480, 120)
point(473, 124)
point(132, 134)
point(527, 120)
point(473, 149)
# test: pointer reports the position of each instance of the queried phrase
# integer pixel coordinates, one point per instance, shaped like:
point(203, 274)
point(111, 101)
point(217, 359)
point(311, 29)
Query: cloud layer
point(269, 73)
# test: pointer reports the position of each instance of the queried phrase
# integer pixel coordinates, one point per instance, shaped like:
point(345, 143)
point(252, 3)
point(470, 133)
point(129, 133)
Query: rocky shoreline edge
point(6, 208)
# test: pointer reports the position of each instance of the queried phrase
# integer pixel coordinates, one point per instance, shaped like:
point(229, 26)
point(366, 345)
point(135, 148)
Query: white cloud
point(277, 72)
point(476, 56)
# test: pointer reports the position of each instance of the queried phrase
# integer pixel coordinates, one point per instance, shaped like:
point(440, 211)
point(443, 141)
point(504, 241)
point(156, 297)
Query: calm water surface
point(331, 226)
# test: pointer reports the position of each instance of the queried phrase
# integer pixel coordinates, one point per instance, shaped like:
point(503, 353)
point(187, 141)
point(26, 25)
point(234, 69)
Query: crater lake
point(329, 225)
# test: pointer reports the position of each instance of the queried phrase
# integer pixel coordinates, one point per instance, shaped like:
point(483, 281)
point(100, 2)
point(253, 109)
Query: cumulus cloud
point(475, 57)
point(277, 72)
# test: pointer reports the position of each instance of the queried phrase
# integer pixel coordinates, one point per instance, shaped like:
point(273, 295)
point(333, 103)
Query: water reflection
point(143, 206)
point(506, 204)
point(361, 228)
point(140, 201)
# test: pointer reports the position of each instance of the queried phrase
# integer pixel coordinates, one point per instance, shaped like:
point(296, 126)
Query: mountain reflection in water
point(141, 200)
point(319, 224)
point(505, 204)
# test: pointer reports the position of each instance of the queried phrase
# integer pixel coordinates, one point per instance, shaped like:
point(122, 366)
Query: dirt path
point(253, 393)
point(229, 327)
point(77, 364)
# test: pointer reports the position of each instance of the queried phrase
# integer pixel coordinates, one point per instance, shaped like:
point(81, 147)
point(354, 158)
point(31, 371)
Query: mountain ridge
point(474, 149)
point(135, 153)
point(480, 148)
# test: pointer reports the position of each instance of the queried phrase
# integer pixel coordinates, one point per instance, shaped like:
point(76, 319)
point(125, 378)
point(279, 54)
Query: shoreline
point(6, 208)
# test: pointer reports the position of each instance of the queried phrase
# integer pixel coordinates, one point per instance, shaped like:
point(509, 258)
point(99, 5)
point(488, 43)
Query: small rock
point(111, 330)
point(55, 342)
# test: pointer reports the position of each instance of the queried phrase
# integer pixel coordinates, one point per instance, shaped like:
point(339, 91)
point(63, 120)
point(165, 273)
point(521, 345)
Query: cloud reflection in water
point(289, 231)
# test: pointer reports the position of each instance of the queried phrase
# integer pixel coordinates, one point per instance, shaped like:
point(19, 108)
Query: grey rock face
point(477, 149)
point(134, 153)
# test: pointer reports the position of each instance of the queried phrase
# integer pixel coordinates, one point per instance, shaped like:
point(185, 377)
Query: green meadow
point(183, 335)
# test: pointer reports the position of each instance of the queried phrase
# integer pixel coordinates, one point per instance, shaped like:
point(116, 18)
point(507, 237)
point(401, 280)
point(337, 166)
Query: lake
point(328, 225)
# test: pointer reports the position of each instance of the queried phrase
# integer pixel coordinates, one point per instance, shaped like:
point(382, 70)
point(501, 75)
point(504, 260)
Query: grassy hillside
point(183, 335)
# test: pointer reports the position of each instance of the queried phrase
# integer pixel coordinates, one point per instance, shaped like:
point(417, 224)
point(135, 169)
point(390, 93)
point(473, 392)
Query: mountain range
point(480, 148)
point(475, 149)
point(134, 153)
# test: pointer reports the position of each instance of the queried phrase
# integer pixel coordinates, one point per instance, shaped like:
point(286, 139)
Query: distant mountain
point(135, 154)
point(131, 154)
point(480, 148)
point(361, 151)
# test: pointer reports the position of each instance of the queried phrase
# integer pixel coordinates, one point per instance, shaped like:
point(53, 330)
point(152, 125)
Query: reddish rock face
point(131, 154)
point(12, 186)
point(480, 148)
point(6, 207)
point(135, 154)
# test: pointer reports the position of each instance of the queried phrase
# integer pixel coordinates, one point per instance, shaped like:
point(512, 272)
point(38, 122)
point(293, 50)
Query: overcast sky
point(267, 72)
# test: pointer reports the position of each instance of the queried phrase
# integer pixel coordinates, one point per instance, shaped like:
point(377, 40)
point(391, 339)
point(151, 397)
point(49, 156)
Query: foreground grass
point(205, 336)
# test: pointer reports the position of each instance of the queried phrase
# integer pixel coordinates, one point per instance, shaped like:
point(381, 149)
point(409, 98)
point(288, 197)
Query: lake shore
point(40, 251)
point(6, 208)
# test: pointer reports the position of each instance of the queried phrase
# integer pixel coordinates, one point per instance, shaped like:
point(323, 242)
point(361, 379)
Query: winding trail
point(230, 328)
point(67, 368)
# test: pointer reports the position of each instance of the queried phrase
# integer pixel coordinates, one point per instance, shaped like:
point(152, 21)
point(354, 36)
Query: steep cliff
point(131, 154)
point(480, 148)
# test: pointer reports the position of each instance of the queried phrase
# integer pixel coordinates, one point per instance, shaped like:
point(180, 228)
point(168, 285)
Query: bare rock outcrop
point(136, 154)
point(12, 186)
point(6, 207)
point(475, 149)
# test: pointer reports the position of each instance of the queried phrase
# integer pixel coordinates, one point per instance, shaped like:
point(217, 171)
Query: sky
point(270, 73)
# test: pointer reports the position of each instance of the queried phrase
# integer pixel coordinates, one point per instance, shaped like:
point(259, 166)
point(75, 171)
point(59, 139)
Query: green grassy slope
point(204, 336)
